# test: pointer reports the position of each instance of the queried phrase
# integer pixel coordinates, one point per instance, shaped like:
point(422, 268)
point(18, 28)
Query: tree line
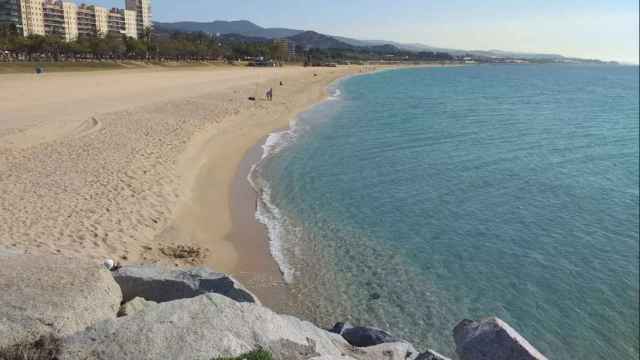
point(161, 45)
point(177, 47)
point(376, 54)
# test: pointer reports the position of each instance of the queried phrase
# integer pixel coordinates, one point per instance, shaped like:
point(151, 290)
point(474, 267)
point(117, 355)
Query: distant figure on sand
point(270, 94)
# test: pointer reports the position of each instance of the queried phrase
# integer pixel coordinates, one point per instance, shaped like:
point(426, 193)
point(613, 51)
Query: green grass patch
point(254, 355)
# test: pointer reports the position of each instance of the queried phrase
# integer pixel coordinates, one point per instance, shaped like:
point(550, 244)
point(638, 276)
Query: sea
point(413, 199)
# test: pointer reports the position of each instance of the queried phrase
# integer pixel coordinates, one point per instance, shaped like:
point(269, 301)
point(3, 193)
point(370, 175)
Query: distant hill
point(249, 29)
point(273, 33)
point(241, 27)
point(401, 46)
point(384, 49)
point(244, 29)
point(237, 38)
point(511, 54)
point(312, 39)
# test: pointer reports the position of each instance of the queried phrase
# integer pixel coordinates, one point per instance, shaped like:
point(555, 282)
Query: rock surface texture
point(210, 326)
point(71, 305)
point(431, 355)
point(492, 339)
point(160, 284)
point(367, 336)
point(134, 306)
point(52, 295)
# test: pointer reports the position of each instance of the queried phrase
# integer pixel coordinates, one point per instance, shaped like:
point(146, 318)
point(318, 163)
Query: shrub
point(45, 348)
point(254, 355)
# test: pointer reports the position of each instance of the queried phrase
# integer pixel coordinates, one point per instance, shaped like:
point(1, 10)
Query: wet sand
point(259, 272)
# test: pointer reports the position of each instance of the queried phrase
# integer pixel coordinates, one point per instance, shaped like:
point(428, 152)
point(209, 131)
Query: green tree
point(135, 48)
point(146, 38)
point(115, 46)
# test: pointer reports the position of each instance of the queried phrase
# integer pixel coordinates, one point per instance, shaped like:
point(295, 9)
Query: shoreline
point(263, 274)
point(220, 213)
point(139, 167)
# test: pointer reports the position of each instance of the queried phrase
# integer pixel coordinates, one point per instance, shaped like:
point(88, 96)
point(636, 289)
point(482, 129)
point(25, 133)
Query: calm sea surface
point(416, 198)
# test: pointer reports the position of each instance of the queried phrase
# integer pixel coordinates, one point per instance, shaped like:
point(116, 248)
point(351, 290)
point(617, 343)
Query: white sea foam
point(266, 212)
point(280, 230)
point(335, 95)
point(269, 215)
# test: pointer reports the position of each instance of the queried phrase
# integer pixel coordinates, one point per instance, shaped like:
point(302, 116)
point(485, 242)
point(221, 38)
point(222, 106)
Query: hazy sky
point(605, 29)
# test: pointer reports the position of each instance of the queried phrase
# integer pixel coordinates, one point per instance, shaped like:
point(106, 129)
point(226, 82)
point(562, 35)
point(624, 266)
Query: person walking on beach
point(270, 94)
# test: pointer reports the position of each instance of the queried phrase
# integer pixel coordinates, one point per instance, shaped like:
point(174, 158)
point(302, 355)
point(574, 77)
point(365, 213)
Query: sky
point(602, 29)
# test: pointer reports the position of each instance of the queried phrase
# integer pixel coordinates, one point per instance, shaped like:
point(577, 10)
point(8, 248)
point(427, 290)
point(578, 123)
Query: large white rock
point(160, 284)
point(492, 339)
point(210, 326)
point(134, 306)
point(57, 295)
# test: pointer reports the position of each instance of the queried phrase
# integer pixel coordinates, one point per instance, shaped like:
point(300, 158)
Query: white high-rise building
point(102, 21)
point(70, 21)
point(130, 26)
point(63, 18)
point(60, 19)
point(32, 17)
point(143, 14)
point(123, 22)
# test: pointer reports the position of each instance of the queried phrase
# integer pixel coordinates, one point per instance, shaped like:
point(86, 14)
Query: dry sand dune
point(133, 164)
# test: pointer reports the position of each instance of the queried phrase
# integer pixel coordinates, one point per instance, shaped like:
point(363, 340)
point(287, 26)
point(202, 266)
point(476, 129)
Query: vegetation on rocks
point(45, 348)
point(254, 355)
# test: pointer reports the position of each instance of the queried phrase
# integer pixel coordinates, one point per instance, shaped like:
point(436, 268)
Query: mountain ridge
point(250, 29)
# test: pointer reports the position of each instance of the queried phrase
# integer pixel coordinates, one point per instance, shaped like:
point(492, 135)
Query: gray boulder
point(339, 327)
point(211, 326)
point(52, 295)
point(492, 339)
point(161, 284)
point(134, 306)
point(431, 355)
point(360, 336)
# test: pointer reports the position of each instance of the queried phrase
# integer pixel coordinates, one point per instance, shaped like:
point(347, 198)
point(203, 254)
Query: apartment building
point(123, 22)
point(116, 21)
point(92, 21)
point(102, 21)
point(32, 13)
point(286, 46)
point(10, 13)
point(66, 19)
point(70, 21)
point(131, 23)
point(53, 18)
point(86, 21)
point(143, 14)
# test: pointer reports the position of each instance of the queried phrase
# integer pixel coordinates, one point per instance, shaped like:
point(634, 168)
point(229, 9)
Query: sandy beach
point(139, 165)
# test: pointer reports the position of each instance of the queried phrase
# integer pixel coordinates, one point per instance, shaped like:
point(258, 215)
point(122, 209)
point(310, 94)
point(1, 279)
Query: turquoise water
point(416, 198)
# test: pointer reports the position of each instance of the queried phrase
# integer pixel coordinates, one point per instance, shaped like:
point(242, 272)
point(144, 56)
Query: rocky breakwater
point(64, 308)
